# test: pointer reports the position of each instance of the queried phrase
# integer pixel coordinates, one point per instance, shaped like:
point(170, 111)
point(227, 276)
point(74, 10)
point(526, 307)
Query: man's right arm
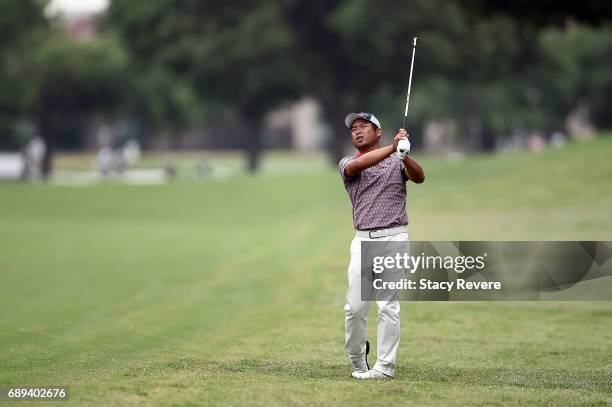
point(354, 167)
point(370, 159)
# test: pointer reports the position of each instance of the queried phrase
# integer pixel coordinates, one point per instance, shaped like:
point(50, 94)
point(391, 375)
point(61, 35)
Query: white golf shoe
point(371, 375)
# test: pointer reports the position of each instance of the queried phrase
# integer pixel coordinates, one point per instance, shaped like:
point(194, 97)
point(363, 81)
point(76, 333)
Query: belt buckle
point(370, 233)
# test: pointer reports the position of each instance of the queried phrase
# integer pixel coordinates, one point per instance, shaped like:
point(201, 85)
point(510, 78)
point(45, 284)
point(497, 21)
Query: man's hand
point(401, 135)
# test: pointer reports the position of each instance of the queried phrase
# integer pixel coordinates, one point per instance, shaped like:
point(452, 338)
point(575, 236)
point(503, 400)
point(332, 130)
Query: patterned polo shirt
point(378, 194)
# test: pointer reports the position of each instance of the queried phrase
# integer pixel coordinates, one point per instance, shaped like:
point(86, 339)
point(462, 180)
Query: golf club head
point(367, 353)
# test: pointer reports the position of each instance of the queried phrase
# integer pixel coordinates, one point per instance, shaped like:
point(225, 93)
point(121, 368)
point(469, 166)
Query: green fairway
point(231, 292)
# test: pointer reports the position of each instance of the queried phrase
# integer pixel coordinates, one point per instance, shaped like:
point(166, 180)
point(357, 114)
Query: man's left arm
point(413, 170)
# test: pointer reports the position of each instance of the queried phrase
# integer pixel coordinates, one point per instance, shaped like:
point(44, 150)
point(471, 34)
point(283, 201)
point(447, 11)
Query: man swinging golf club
point(375, 180)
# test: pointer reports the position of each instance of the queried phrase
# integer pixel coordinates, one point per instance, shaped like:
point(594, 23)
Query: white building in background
point(78, 17)
point(75, 7)
point(301, 123)
point(308, 132)
point(578, 124)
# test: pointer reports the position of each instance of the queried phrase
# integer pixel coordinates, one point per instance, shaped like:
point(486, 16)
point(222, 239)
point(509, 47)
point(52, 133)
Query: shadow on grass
point(582, 379)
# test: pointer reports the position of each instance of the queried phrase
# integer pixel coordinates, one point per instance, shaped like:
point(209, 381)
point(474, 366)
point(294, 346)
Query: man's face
point(364, 134)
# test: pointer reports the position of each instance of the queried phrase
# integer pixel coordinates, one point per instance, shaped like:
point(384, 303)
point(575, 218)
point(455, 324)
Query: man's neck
point(367, 149)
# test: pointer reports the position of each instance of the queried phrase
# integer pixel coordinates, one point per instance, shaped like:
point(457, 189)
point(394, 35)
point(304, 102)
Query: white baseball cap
point(351, 117)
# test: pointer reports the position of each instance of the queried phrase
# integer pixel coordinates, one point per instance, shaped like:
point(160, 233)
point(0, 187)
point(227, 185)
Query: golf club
point(403, 147)
point(414, 42)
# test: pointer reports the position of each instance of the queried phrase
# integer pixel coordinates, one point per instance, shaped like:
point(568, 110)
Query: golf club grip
point(405, 122)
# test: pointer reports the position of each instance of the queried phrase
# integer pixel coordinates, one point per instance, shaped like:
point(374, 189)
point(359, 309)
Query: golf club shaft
point(414, 41)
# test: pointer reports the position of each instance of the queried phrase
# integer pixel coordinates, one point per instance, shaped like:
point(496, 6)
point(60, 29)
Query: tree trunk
point(487, 137)
point(47, 132)
point(253, 144)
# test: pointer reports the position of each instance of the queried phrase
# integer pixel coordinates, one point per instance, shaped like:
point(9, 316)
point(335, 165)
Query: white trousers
point(356, 314)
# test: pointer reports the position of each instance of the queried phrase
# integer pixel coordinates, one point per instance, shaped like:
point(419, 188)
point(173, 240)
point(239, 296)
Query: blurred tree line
point(170, 65)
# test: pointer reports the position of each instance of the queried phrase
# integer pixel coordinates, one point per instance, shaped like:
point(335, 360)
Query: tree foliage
point(22, 24)
point(491, 67)
point(70, 82)
point(238, 55)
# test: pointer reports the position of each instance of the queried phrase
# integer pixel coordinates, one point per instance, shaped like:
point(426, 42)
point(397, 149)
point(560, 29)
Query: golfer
point(375, 180)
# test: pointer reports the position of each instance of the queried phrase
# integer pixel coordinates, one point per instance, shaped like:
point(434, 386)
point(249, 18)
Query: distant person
point(104, 162)
point(558, 139)
point(131, 152)
point(170, 167)
point(536, 142)
point(33, 154)
point(375, 180)
point(119, 162)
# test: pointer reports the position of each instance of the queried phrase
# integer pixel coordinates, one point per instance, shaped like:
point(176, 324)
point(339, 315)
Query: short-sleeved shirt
point(378, 194)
